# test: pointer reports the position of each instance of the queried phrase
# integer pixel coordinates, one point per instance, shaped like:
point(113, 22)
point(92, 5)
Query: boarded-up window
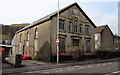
point(62, 44)
point(88, 48)
point(75, 42)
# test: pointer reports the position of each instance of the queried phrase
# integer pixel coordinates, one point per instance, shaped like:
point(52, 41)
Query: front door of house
point(88, 48)
point(62, 44)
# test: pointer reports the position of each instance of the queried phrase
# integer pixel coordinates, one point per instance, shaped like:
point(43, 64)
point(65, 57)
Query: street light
point(57, 41)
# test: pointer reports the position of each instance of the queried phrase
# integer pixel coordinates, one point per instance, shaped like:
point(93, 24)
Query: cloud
point(22, 11)
point(102, 18)
point(19, 12)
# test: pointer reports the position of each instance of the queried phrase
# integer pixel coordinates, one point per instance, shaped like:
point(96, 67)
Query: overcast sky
point(101, 12)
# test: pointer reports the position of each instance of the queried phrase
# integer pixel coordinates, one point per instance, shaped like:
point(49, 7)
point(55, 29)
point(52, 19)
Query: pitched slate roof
point(48, 17)
point(99, 29)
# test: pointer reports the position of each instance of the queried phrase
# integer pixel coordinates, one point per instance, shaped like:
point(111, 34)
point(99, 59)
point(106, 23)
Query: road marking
point(52, 69)
point(33, 72)
point(98, 64)
point(113, 73)
point(81, 67)
point(116, 72)
point(109, 63)
point(90, 66)
point(71, 69)
point(104, 64)
point(58, 70)
point(46, 72)
point(75, 66)
point(67, 67)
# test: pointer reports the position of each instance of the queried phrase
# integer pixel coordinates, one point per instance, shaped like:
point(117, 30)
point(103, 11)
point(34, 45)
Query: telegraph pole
point(58, 34)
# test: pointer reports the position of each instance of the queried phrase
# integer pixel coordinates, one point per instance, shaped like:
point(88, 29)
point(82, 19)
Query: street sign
point(57, 41)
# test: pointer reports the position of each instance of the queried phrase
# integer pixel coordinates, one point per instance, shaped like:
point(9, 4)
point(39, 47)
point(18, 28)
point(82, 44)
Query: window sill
point(62, 31)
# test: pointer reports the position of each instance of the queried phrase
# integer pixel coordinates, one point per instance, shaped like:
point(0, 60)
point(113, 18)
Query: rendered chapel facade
point(76, 33)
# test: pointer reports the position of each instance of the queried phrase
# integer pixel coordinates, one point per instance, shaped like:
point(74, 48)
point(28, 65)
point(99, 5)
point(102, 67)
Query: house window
point(61, 24)
point(87, 30)
point(28, 36)
point(70, 26)
point(96, 37)
point(20, 37)
point(36, 33)
point(75, 26)
point(80, 28)
point(75, 42)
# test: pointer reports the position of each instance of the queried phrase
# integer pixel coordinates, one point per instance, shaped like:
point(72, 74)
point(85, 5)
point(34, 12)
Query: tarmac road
point(108, 68)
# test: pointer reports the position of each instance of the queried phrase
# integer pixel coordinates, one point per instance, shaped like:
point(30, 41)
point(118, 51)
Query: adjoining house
point(76, 33)
point(8, 31)
point(104, 38)
point(117, 43)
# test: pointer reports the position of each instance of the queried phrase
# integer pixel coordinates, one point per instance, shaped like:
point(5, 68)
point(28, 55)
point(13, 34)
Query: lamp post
point(57, 41)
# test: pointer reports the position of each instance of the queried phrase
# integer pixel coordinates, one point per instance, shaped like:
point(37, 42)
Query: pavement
point(31, 65)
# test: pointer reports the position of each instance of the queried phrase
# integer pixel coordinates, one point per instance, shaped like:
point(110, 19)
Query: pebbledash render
point(76, 33)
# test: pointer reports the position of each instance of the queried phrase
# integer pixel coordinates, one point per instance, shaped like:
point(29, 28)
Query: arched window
point(75, 26)
point(20, 37)
point(36, 33)
point(28, 36)
point(70, 26)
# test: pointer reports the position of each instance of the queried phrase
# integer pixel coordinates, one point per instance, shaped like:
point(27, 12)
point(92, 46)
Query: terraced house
point(76, 33)
point(102, 42)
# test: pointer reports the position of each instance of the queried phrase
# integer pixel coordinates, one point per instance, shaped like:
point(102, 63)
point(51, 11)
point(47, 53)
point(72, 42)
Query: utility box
point(18, 60)
point(15, 60)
